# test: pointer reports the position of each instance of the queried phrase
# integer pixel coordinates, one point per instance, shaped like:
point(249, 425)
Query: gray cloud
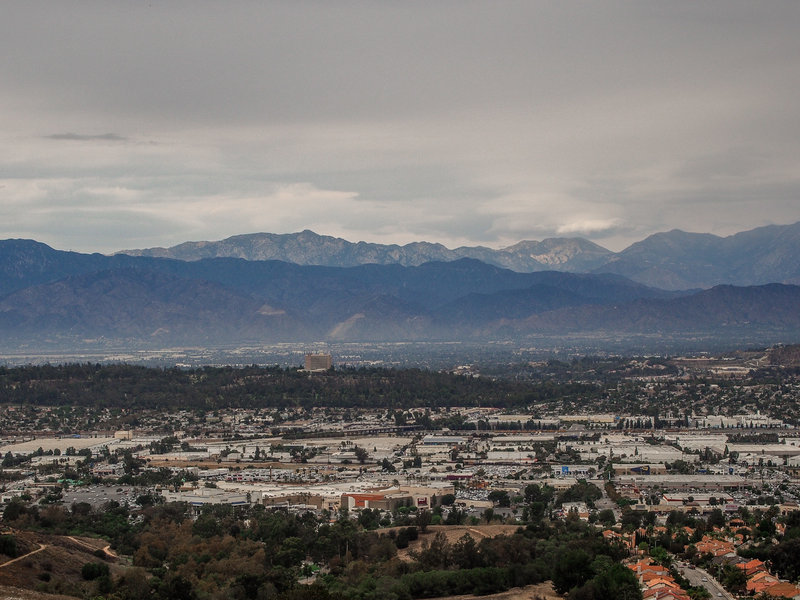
point(460, 122)
point(78, 137)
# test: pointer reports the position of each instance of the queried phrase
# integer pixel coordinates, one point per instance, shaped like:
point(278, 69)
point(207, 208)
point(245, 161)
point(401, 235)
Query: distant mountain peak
point(309, 248)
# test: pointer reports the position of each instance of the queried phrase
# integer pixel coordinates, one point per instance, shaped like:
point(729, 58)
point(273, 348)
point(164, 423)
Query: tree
point(465, 553)
point(361, 454)
point(612, 581)
point(716, 519)
point(581, 492)
point(606, 517)
point(422, 520)
point(734, 579)
point(784, 558)
point(177, 588)
point(500, 497)
point(435, 555)
point(572, 569)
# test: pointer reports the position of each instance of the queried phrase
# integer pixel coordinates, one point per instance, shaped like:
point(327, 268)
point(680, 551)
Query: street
point(700, 577)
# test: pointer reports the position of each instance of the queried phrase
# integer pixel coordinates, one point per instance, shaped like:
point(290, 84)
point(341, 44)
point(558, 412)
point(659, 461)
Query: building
point(639, 469)
point(318, 362)
point(443, 440)
point(200, 497)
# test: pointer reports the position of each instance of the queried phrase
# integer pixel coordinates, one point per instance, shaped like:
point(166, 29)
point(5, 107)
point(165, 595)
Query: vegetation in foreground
point(264, 554)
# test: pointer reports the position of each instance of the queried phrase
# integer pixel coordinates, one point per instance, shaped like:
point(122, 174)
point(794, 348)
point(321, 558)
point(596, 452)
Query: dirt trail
point(13, 560)
point(106, 549)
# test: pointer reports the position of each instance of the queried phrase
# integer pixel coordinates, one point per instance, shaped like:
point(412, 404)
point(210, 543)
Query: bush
point(8, 545)
point(93, 570)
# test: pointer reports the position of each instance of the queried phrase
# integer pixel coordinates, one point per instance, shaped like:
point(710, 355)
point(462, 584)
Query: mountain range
point(572, 255)
point(56, 299)
point(674, 260)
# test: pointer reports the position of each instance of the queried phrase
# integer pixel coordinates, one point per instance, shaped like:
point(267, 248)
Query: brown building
point(318, 362)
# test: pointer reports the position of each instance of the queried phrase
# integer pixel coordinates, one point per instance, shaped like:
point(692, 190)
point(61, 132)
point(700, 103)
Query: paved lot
point(98, 495)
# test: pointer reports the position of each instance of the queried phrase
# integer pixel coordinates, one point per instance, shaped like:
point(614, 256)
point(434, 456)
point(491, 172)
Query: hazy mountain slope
point(764, 255)
point(146, 308)
point(27, 262)
point(66, 298)
point(679, 260)
point(140, 304)
point(723, 310)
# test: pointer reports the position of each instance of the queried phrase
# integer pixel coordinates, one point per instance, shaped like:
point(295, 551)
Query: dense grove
point(254, 387)
point(646, 388)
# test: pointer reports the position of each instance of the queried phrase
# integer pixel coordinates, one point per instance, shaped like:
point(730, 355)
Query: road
point(696, 577)
point(605, 501)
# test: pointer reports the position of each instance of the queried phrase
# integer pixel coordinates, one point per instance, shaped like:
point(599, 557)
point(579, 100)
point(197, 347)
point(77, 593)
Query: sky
point(133, 124)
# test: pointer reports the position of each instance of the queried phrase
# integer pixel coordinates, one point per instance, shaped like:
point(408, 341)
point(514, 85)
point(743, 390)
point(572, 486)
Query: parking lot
point(98, 495)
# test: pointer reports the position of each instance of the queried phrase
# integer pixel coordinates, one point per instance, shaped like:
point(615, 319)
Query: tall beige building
point(318, 362)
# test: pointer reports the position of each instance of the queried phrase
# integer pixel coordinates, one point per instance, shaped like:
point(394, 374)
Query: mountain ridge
point(309, 248)
point(672, 260)
point(62, 299)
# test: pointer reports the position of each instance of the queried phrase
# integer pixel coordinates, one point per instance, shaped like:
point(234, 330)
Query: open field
point(56, 444)
point(454, 532)
point(541, 591)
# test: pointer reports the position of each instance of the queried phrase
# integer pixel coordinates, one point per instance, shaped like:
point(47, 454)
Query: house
point(759, 582)
point(784, 590)
point(752, 567)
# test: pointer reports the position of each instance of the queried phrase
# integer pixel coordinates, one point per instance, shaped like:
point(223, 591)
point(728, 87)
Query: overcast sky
point(129, 124)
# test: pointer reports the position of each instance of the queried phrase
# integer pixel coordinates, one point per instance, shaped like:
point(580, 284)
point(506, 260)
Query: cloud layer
point(131, 124)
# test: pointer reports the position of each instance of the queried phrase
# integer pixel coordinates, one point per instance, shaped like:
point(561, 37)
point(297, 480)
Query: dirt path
point(13, 560)
point(479, 532)
point(106, 549)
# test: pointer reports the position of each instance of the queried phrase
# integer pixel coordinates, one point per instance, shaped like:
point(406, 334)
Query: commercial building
point(318, 362)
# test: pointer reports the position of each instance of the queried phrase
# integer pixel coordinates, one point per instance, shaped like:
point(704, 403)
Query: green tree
point(500, 497)
point(361, 454)
point(606, 517)
point(571, 570)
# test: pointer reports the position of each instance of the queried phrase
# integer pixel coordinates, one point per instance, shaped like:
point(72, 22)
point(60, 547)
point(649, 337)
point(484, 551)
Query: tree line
point(129, 386)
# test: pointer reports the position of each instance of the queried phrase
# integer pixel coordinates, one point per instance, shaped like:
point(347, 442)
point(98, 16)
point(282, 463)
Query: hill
point(50, 566)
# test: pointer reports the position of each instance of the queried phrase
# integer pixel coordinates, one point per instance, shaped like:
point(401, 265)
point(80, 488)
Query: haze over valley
point(302, 288)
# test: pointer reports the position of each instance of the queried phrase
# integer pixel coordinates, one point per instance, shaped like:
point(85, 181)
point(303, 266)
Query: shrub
point(8, 545)
point(94, 570)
